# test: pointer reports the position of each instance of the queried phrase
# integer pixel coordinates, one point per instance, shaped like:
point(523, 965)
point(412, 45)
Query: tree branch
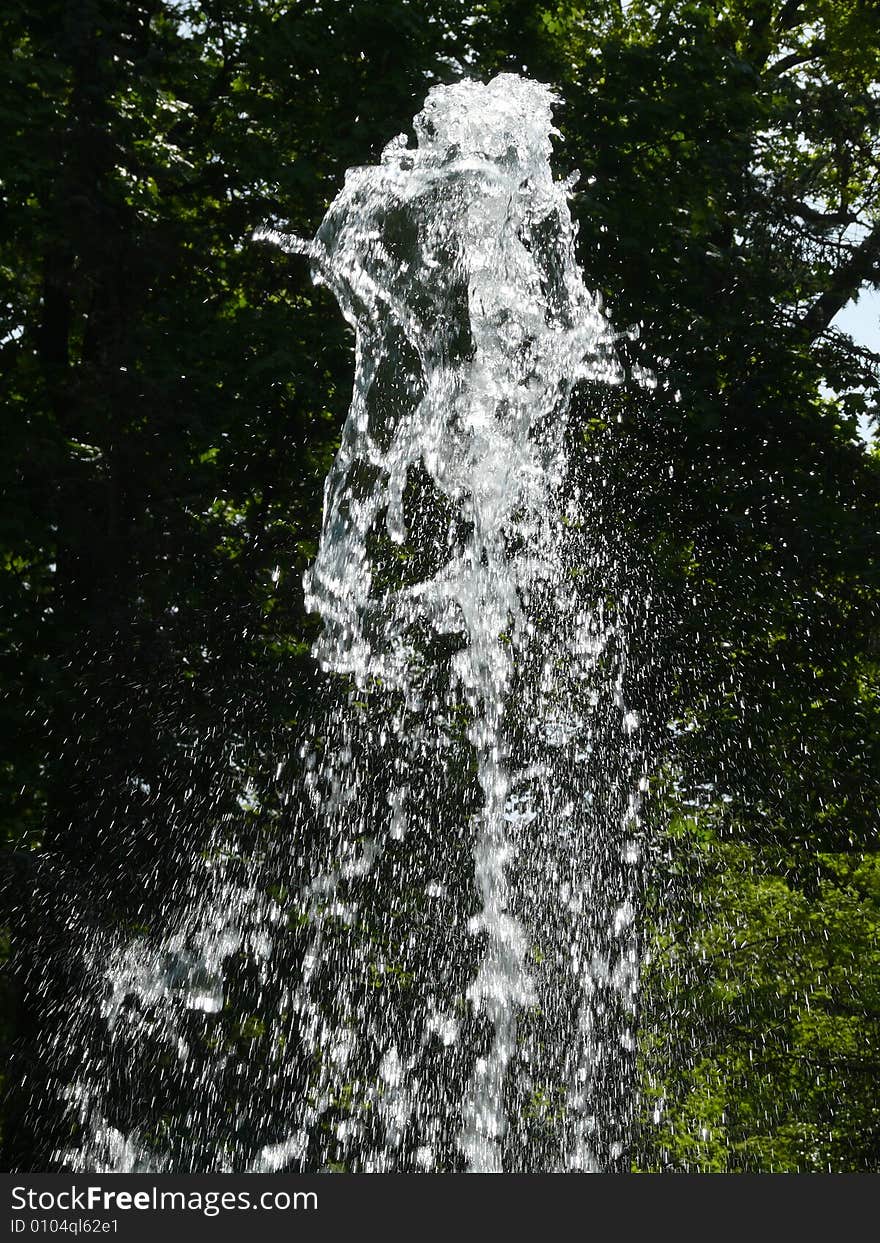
point(814, 216)
point(861, 265)
point(790, 15)
point(796, 58)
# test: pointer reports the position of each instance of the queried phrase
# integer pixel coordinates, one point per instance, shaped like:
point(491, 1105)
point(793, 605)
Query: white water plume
point(454, 262)
point(447, 973)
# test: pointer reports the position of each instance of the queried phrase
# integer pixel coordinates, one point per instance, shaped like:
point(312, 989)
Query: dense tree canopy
point(172, 395)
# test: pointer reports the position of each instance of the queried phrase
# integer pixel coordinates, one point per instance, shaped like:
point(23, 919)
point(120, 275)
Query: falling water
point(449, 935)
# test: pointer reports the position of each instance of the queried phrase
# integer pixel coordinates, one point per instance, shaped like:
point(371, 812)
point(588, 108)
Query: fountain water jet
point(463, 600)
point(454, 263)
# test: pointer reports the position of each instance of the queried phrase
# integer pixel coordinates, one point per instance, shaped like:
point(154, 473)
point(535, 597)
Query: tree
point(764, 1045)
